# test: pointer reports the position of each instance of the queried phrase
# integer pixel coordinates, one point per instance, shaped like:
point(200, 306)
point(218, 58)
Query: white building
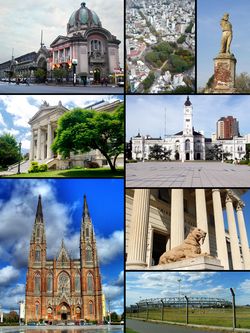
point(187, 144)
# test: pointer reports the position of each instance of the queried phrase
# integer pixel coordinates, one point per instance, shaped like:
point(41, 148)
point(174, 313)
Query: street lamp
point(74, 64)
point(19, 157)
point(109, 311)
point(179, 281)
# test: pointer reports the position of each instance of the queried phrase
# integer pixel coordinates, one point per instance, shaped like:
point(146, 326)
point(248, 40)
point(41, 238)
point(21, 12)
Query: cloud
point(28, 20)
point(2, 122)
point(114, 294)
point(10, 296)
point(109, 248)
point(8, 274)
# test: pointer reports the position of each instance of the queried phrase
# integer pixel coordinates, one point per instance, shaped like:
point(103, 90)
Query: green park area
point(171, 57)
point(198, 316)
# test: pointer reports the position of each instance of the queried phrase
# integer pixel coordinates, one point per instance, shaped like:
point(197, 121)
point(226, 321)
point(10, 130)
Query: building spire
point(85, 208)
point(39, 210)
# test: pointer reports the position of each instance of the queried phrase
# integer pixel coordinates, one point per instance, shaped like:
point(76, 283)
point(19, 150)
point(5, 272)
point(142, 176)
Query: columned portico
point(177, 217)
point(220, 229)
point(234, 243)
point(138, 230)
point(243, 235)
point(175, 212)
point(38, 156)
point(49, 140)
point(201, 216)
point(32, 143)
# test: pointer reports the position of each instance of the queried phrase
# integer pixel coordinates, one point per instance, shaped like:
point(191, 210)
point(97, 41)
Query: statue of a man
point(227, 34)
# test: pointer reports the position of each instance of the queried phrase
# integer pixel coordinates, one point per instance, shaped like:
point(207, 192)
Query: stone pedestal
point(199, 263)
point(224, 73)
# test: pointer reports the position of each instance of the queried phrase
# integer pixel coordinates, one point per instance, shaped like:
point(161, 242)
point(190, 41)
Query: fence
point(193, 310)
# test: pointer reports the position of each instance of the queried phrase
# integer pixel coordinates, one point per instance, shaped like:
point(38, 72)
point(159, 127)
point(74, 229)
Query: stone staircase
point(24, 166)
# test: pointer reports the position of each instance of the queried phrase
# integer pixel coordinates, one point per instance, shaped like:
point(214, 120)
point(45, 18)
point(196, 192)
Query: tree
point(181, 39)
point(9, 150)
point(59, 73)
point(157, 152)
point(215, 152)
point(40, 75)
point(242, 83)
point(80, 131)
point(114, 317)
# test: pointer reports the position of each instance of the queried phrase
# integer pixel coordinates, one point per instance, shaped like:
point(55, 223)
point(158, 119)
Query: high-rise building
point(227, 128)
point(63, 288)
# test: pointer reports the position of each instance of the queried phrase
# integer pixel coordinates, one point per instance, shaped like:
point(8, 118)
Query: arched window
point(90, 307)
point(38, 254)
point(64, 283)
point(88, 254)
point(37, 283)
point(187, 144)
point(77, 282)
point(49, 283)
point(90, 282)
point(37, 309)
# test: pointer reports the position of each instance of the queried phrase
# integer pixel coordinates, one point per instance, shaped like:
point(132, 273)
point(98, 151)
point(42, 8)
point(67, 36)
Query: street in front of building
point(187, 174)
point(55, 89)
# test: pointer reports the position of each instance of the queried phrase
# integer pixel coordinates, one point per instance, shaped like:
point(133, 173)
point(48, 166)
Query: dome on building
point(83, 18)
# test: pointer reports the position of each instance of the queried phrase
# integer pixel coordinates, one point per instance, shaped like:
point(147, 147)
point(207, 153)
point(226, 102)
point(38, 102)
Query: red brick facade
point(63, 288)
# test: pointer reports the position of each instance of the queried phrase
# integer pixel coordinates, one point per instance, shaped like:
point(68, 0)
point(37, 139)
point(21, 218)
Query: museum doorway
point(187, 156)
point(97, 75)
point(159, 246)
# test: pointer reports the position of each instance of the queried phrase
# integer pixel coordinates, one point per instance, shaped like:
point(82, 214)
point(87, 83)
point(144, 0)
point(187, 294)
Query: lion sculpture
point(190, 248)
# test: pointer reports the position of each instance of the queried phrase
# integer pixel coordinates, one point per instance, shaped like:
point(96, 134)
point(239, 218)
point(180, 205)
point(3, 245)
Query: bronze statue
point(227, 34)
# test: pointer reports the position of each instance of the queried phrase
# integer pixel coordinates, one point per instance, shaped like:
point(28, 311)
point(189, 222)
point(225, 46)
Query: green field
point(128, 330)
point(211, 317)
point(74, 173)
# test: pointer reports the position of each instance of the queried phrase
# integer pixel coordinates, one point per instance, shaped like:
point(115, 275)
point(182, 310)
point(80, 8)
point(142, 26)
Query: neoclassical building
point(43, 131)
point(160, 219)
point(63, 288)
point(187, 144)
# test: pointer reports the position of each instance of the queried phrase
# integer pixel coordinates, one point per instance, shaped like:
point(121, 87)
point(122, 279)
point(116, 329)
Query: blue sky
point(62, 202)
point(209, 14)
point(147, 113)
point(17, 110)
point(141, 285)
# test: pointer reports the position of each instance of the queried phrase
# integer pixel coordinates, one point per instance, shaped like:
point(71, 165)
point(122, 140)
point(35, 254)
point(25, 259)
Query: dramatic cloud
point(8, 274)
point(114, 294)
point(109, 248)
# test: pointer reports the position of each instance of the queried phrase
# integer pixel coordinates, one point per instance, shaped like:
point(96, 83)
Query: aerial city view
point(160, 46)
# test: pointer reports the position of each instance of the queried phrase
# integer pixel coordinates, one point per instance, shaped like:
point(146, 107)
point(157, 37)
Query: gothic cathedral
point(63, 288)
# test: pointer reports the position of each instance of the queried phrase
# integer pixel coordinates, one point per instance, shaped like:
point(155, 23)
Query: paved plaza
point(187, 174)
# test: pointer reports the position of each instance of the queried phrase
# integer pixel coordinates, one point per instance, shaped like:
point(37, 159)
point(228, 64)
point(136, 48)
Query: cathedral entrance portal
point(64, 316)
point(65, 311)
point(187, 157)
point(198, 156)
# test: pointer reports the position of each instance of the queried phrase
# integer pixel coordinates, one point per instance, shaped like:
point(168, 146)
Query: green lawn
point(213, 317)
point(128, 330)
point(74, 173)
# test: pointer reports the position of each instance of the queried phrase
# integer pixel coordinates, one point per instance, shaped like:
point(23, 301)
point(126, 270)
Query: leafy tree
point(114, 317)
point(210, 82)
point(147, 83)
point(189, 28)
point(80, 131)
point(40, 75)
point(216, 153)
point(59, 73)
point(9, 150)
point(181, 39)
point(242, 83)
point(157, 152)
point(247, 156)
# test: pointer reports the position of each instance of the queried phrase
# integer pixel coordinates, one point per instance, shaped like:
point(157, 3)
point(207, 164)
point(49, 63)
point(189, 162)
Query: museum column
point(234, 243)
point(243, 235)
point(138, 230)
point(220, 229)
point(177, 217)
point(49, 140)
point(32, 146)
point(39, 144)
point(201, 217)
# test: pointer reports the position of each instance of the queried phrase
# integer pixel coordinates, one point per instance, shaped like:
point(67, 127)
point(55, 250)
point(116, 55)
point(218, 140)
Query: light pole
point(19, 157)
point(179, 281)
point(74, 64)
point(109, 311)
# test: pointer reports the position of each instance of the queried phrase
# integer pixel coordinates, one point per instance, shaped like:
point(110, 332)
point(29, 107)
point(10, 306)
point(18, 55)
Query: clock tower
point(188, 118)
